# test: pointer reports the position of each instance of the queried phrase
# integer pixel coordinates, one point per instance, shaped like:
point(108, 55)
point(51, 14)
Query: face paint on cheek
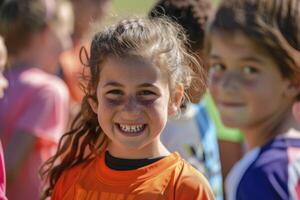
point(147, 103)
point(112, 102)
point(250, 84)
point(213, 78)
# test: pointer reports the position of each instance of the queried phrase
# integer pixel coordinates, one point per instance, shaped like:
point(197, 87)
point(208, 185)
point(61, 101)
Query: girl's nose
point(230, 82)
point(131, 107)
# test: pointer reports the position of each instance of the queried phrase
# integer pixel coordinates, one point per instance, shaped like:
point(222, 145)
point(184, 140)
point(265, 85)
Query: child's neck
point(28, 57)
point(21, 61)
point(156, 150)
point(267, 130)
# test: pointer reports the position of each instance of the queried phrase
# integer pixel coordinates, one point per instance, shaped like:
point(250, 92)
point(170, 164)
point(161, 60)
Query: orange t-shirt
point(169, 178)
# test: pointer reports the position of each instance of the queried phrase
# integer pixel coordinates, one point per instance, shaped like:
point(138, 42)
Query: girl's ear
point(175, 100)
point(296, 111)
point(292, 88)
point(94, 104)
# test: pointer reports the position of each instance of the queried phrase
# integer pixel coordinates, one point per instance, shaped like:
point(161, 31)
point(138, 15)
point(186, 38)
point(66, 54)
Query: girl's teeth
point(132, 129)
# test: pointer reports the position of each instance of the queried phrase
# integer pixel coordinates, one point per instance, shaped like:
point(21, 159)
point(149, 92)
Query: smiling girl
point(139, 71)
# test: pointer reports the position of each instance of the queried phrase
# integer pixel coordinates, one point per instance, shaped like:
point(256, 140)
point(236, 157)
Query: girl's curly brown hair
point(158, 41)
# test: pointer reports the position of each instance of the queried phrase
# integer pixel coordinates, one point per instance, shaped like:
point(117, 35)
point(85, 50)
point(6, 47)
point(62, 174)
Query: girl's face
point(3, 57)
point(133, 106)
point(246, 83)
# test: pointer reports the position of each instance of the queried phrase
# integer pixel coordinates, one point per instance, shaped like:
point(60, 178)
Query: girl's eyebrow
point(146, 85)
point(116, 84)
point(245, 58)
point(113, 83)
point(251, 59)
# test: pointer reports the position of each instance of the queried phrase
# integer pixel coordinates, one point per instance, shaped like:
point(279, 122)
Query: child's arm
point(17, 152)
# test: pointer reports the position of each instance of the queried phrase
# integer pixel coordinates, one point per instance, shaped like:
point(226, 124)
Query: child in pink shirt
point(33, 112)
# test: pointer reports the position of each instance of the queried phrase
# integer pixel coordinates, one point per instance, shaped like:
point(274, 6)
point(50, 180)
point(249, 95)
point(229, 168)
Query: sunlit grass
point(127, 8)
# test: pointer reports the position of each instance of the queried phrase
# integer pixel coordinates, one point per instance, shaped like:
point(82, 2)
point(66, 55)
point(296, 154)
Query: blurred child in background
point(85, 13)
point(254, 76)
point(33, 112)
point(139, 69)
point(193, 16)
point(3, 86)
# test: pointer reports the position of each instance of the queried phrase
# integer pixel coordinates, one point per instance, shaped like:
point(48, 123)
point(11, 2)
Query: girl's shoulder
point(188, 171)
point(280, 150)
point(271, 170)
point(192, 183)
point(69, 177)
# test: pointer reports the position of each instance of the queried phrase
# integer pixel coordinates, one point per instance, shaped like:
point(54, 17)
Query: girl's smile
point(131, 128)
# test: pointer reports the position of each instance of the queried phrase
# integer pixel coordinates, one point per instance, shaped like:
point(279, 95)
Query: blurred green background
point(131, 7)
point(125, 8)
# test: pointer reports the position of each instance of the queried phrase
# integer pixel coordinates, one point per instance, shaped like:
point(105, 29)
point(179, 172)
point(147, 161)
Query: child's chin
point(231, 123)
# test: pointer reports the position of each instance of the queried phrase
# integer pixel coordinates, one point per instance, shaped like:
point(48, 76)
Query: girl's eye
point(146, 93)
point(250, 70)
point(114, 93)
point(217, 67)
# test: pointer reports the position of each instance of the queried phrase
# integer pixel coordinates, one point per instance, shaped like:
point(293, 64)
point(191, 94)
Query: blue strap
point(210, 155)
